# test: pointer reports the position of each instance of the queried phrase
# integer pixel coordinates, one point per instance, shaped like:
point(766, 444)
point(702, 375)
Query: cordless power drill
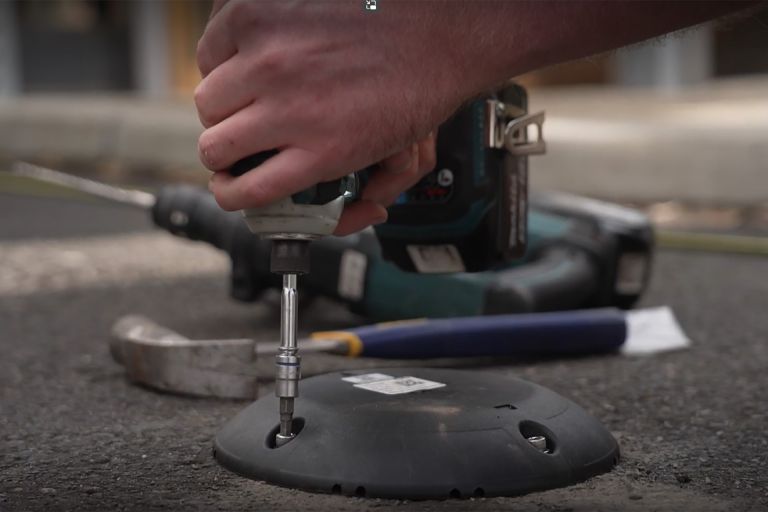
point(468, 215)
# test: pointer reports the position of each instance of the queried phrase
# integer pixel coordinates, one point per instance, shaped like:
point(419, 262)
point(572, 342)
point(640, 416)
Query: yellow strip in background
point(354, 343)
point(399, 323)
point(710, 242)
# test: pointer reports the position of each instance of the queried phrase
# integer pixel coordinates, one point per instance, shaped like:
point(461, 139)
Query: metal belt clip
point(507, 128)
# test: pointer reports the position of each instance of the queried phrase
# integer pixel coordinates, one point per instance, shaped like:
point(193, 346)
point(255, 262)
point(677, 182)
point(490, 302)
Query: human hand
point(332, 87)
point(394, 175)
point(335, 88)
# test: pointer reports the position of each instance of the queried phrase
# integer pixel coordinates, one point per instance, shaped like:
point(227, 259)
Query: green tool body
point(580, 253)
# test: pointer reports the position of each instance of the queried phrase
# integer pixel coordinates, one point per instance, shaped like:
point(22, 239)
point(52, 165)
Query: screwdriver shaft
point(138, 198)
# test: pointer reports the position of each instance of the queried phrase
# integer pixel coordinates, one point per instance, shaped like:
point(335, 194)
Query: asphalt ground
point(74, 435)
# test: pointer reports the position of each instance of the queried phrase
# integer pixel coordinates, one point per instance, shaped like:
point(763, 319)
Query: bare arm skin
point(336, 88)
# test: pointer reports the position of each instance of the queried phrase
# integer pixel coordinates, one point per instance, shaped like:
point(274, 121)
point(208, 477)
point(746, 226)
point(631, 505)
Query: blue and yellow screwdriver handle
point(564, 333)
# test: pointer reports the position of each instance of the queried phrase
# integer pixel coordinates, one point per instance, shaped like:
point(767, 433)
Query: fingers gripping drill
point(291, 224)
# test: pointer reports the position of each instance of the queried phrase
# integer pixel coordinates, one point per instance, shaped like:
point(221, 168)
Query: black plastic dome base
point(466, 438)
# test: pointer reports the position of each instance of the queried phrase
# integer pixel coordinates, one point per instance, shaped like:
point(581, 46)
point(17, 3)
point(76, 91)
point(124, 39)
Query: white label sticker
point(367, 377)
point(400, 386)
point(435, 259)
point(352, 275)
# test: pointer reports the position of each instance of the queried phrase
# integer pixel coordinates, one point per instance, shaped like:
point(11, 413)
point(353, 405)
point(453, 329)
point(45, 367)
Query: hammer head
point(167, 361)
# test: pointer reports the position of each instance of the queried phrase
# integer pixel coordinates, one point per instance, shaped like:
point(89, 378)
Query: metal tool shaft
point(137, 198)
point(287, 360)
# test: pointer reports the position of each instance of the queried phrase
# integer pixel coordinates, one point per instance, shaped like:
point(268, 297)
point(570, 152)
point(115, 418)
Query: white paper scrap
point(653, 330)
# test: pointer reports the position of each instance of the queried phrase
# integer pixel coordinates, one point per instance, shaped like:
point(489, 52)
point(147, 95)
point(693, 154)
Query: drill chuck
point(289, 256)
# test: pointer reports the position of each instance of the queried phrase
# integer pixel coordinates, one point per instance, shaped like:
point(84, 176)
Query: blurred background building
point(141, 46)
point(105, 86)
point(147, 47)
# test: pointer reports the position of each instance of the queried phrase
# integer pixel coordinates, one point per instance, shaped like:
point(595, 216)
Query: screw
point(538, 442)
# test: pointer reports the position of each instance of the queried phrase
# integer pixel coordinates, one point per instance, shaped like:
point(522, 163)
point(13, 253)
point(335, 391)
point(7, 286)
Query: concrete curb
point(122, 131)
point(706, 145)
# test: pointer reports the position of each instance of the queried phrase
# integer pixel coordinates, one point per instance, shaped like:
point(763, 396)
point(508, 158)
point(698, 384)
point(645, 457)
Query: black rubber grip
point(191, 212)
point(559, 278)
point(320, 193)
point(251, 162)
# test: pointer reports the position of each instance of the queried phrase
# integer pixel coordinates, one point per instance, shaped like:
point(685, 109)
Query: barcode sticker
point(400, 385)
point(367, 377)
point(436, 259)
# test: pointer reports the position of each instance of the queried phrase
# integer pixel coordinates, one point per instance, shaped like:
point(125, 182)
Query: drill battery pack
point(581, 253)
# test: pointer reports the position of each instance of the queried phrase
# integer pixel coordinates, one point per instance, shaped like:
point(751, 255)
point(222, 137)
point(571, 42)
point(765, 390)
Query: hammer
point(159, 358)
point(226, 368)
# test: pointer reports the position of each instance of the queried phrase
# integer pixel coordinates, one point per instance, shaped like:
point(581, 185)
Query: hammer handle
point(560, 333)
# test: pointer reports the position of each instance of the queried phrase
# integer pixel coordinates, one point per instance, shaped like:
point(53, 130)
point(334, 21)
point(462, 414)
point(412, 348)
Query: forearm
point(513, 37)
point(335, 88)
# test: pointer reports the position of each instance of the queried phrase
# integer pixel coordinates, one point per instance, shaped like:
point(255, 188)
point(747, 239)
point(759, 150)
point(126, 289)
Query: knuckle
point(427, 163)
point(243, 16)
point(412, 171)
point(204, 113)
point(397, 163)
point(208, 149)
point(200, 96)
point(271, 63)
point(428, 156)
point(224, 201)
point(239, 11)
point(202, 57)
point(252, 73)
point(257, 193)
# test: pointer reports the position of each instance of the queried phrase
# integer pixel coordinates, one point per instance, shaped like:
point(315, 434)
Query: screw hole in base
point(298, 425)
